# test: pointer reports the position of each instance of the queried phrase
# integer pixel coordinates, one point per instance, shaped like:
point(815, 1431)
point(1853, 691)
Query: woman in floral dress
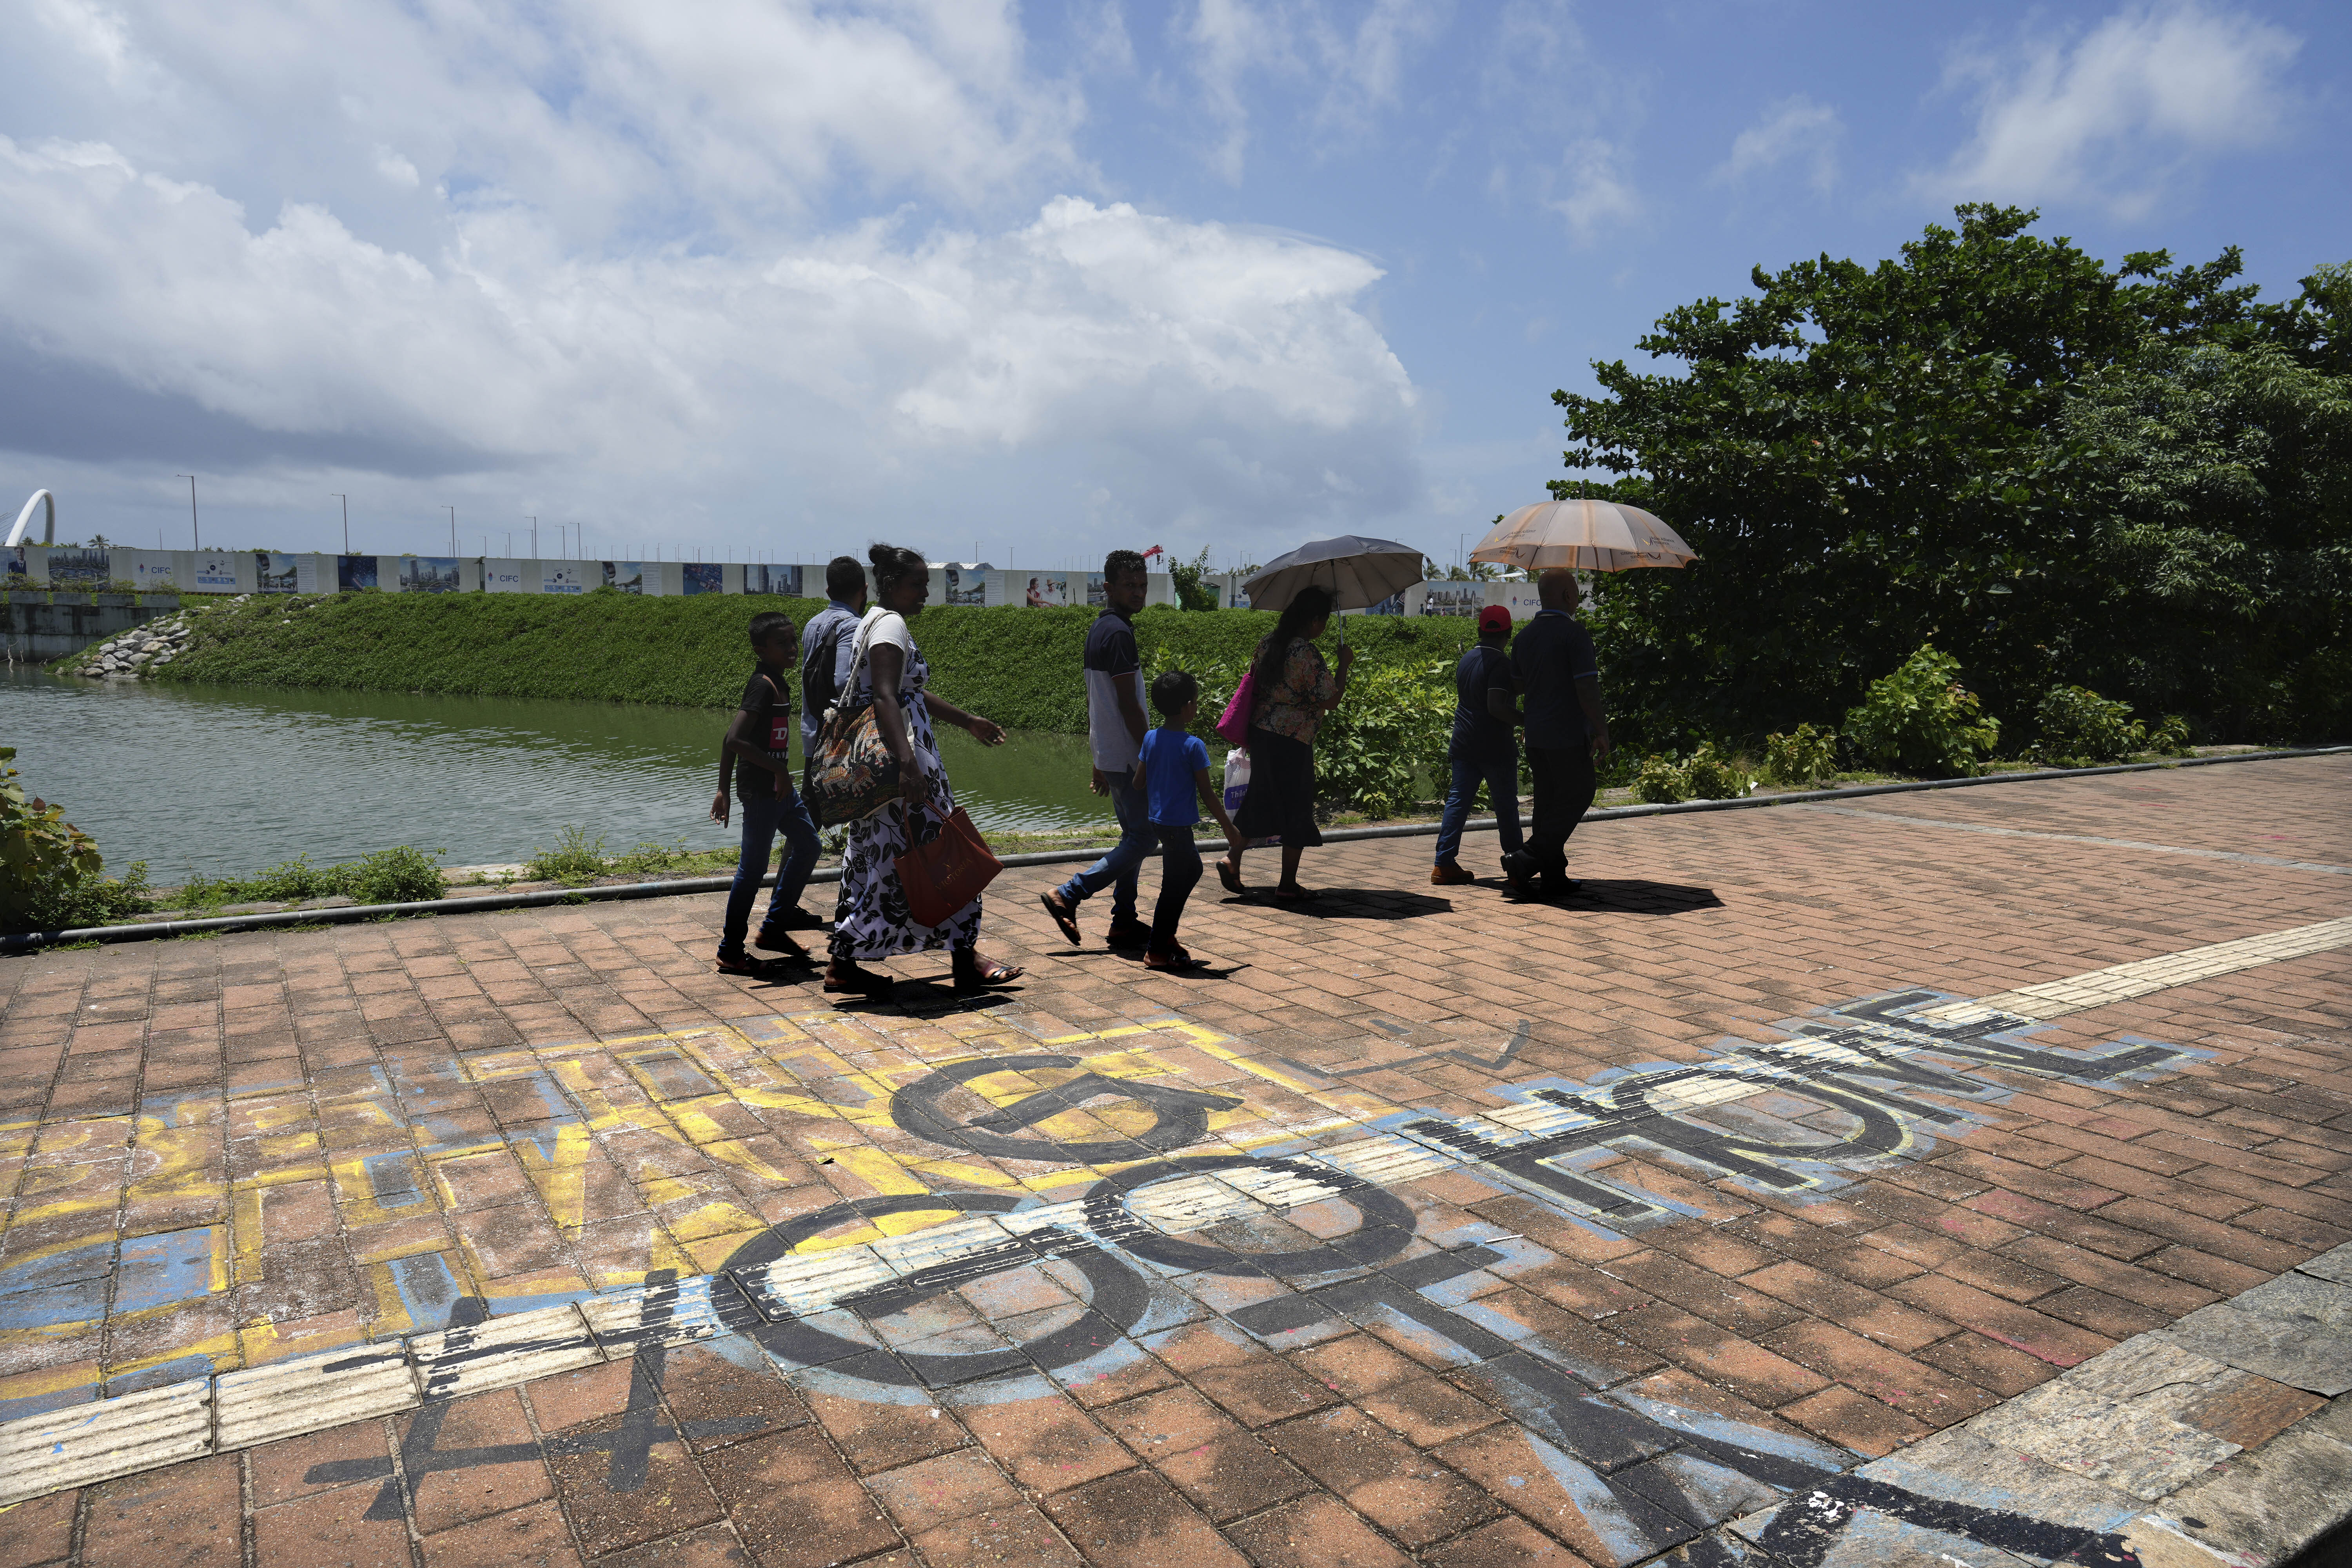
point(871, 920)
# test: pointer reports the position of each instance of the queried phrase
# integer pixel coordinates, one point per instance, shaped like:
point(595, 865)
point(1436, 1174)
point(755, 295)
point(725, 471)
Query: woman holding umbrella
point(1292, 690)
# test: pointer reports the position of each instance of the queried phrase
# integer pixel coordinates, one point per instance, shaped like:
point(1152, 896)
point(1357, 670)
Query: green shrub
point(51, 874)
point(1922, 720)
point(2081, 729)
point(400, 875)
point(1711, 775)
point(1660, 782)
point(1800, 759)
point(575, 860)
point(2171, 737)
point(1383, 747)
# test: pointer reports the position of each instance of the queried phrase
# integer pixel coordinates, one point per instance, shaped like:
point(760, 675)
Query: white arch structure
point(25, 520)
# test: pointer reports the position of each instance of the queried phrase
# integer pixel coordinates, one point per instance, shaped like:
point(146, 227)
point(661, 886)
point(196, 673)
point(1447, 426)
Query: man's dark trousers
point(1564, 790)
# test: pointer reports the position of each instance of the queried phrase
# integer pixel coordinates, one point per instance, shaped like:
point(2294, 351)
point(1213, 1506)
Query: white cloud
point(1228, 39)
point(2119, 114)
point(1795, 128)
point(1592, 190)
point(808, 254)
point(1353, 63)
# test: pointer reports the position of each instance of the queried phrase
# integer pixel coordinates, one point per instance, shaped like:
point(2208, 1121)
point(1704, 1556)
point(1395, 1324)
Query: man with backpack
point(1115, 730)
point(826, 644)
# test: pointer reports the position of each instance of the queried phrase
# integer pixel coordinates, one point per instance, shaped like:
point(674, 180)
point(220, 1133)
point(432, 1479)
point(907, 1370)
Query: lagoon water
point(226, 780)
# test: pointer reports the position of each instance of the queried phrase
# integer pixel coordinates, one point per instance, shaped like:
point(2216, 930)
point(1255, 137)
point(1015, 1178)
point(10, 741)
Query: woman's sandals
point(973, 972)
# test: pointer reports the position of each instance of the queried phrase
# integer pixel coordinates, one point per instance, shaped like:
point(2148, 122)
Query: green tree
point(1967, 444)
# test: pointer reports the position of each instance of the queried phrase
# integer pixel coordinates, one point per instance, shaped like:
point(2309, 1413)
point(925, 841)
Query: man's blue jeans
point(1500, 774)
point(762, 820)
point(1137, 840)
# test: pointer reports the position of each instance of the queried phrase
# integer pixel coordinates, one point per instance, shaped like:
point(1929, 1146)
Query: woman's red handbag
point(943, 874)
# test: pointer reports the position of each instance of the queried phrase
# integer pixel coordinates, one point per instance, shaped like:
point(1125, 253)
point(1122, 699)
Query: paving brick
point(37, 1531)
point(1410, 1495)
point(1506, 1544)
point(1934, 1397)
point(512, 1476)
point(1048, 1444)
point(795, 1502)
point(943, 1489)
point(1313, 1532)
point(1012, 1532)
point(329, 1529)
point(531, 1537)
point(1137, 1518)
point(2020, 1328)
point(189, 1515)
point(1741, 1366)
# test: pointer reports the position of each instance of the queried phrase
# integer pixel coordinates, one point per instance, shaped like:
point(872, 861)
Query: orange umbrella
point(1585, 535)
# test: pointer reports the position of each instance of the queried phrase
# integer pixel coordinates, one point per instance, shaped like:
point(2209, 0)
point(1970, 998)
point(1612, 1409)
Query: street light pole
point(193, 532)
point(347, 519)
point(534, 539)
point(453, 528)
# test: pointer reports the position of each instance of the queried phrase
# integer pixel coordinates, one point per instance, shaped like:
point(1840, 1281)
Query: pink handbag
point(1236, 722)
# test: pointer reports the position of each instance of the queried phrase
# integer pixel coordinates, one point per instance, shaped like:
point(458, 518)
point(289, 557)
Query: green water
point(226, 780)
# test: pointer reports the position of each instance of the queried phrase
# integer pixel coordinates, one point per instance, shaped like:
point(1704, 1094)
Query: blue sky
point(776, 279)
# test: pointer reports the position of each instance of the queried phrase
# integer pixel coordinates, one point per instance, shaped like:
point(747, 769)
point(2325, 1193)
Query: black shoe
point(1127, 934)
point(749, 967)
point(1561, 887)
point(775, 941)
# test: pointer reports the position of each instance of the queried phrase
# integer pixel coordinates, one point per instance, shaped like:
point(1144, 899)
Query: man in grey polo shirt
point(1115, 730)
point(1566, 733)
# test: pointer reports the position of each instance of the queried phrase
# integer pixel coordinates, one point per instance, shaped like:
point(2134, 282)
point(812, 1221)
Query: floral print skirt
point(870, 920)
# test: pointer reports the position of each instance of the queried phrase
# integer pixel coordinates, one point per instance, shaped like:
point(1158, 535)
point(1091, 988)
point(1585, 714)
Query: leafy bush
point(1384, 747)
point(400, 875)
point(575, 860)
point(1802, 758)
point(1922, 720)
point(1711, 775)
point(54, 878)
point(2081, 729)
point(2171, 737)
point(1660, 782)
point(1708, 774)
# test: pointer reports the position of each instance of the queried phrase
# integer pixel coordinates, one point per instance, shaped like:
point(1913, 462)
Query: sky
point(770, 279)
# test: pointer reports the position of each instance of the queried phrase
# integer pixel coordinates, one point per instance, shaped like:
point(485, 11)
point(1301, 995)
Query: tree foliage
point(2137, 480)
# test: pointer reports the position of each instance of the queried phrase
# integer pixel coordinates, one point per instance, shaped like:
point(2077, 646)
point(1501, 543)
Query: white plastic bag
point(1237, 777)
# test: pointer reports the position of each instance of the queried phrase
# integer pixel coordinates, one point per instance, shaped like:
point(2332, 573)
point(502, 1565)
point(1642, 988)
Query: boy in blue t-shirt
point(1173, 773)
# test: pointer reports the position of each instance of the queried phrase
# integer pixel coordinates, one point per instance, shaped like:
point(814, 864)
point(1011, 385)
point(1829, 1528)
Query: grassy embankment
point(1019, 666)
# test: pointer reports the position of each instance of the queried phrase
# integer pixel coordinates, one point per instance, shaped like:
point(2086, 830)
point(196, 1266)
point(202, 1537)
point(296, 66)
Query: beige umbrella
point(1584, 535)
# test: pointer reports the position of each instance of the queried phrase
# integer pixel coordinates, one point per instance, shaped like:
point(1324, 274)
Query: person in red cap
point(1485, 748)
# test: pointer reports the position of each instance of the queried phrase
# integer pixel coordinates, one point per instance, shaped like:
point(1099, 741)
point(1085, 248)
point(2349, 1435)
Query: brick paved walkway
point(1424, 1227)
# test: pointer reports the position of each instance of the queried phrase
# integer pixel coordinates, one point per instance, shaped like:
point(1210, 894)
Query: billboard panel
point(355, 573)
point(784, 580)
point(429, 575)
point(563, 576)
point(214, 572)
point(77, 570)
point(1047, 590)
point(1453, 598)
point(274, 573)
point(626, 576)
point(704, 577)
point(967, 586)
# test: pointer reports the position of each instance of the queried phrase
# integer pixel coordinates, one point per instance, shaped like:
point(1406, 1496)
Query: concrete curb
point(2224, 1441)
point(348, 914)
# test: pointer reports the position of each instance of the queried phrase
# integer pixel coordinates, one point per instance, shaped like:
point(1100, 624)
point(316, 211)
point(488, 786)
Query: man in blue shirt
point(1560, 675)
point(826, 644)
point(1483, 749)
point(1115, 729)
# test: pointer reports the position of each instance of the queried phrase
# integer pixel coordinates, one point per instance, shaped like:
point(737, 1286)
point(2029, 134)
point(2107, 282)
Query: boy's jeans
point(1500, 774)
point(1180, 873)
point(1136, 838)
point(762, 820)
